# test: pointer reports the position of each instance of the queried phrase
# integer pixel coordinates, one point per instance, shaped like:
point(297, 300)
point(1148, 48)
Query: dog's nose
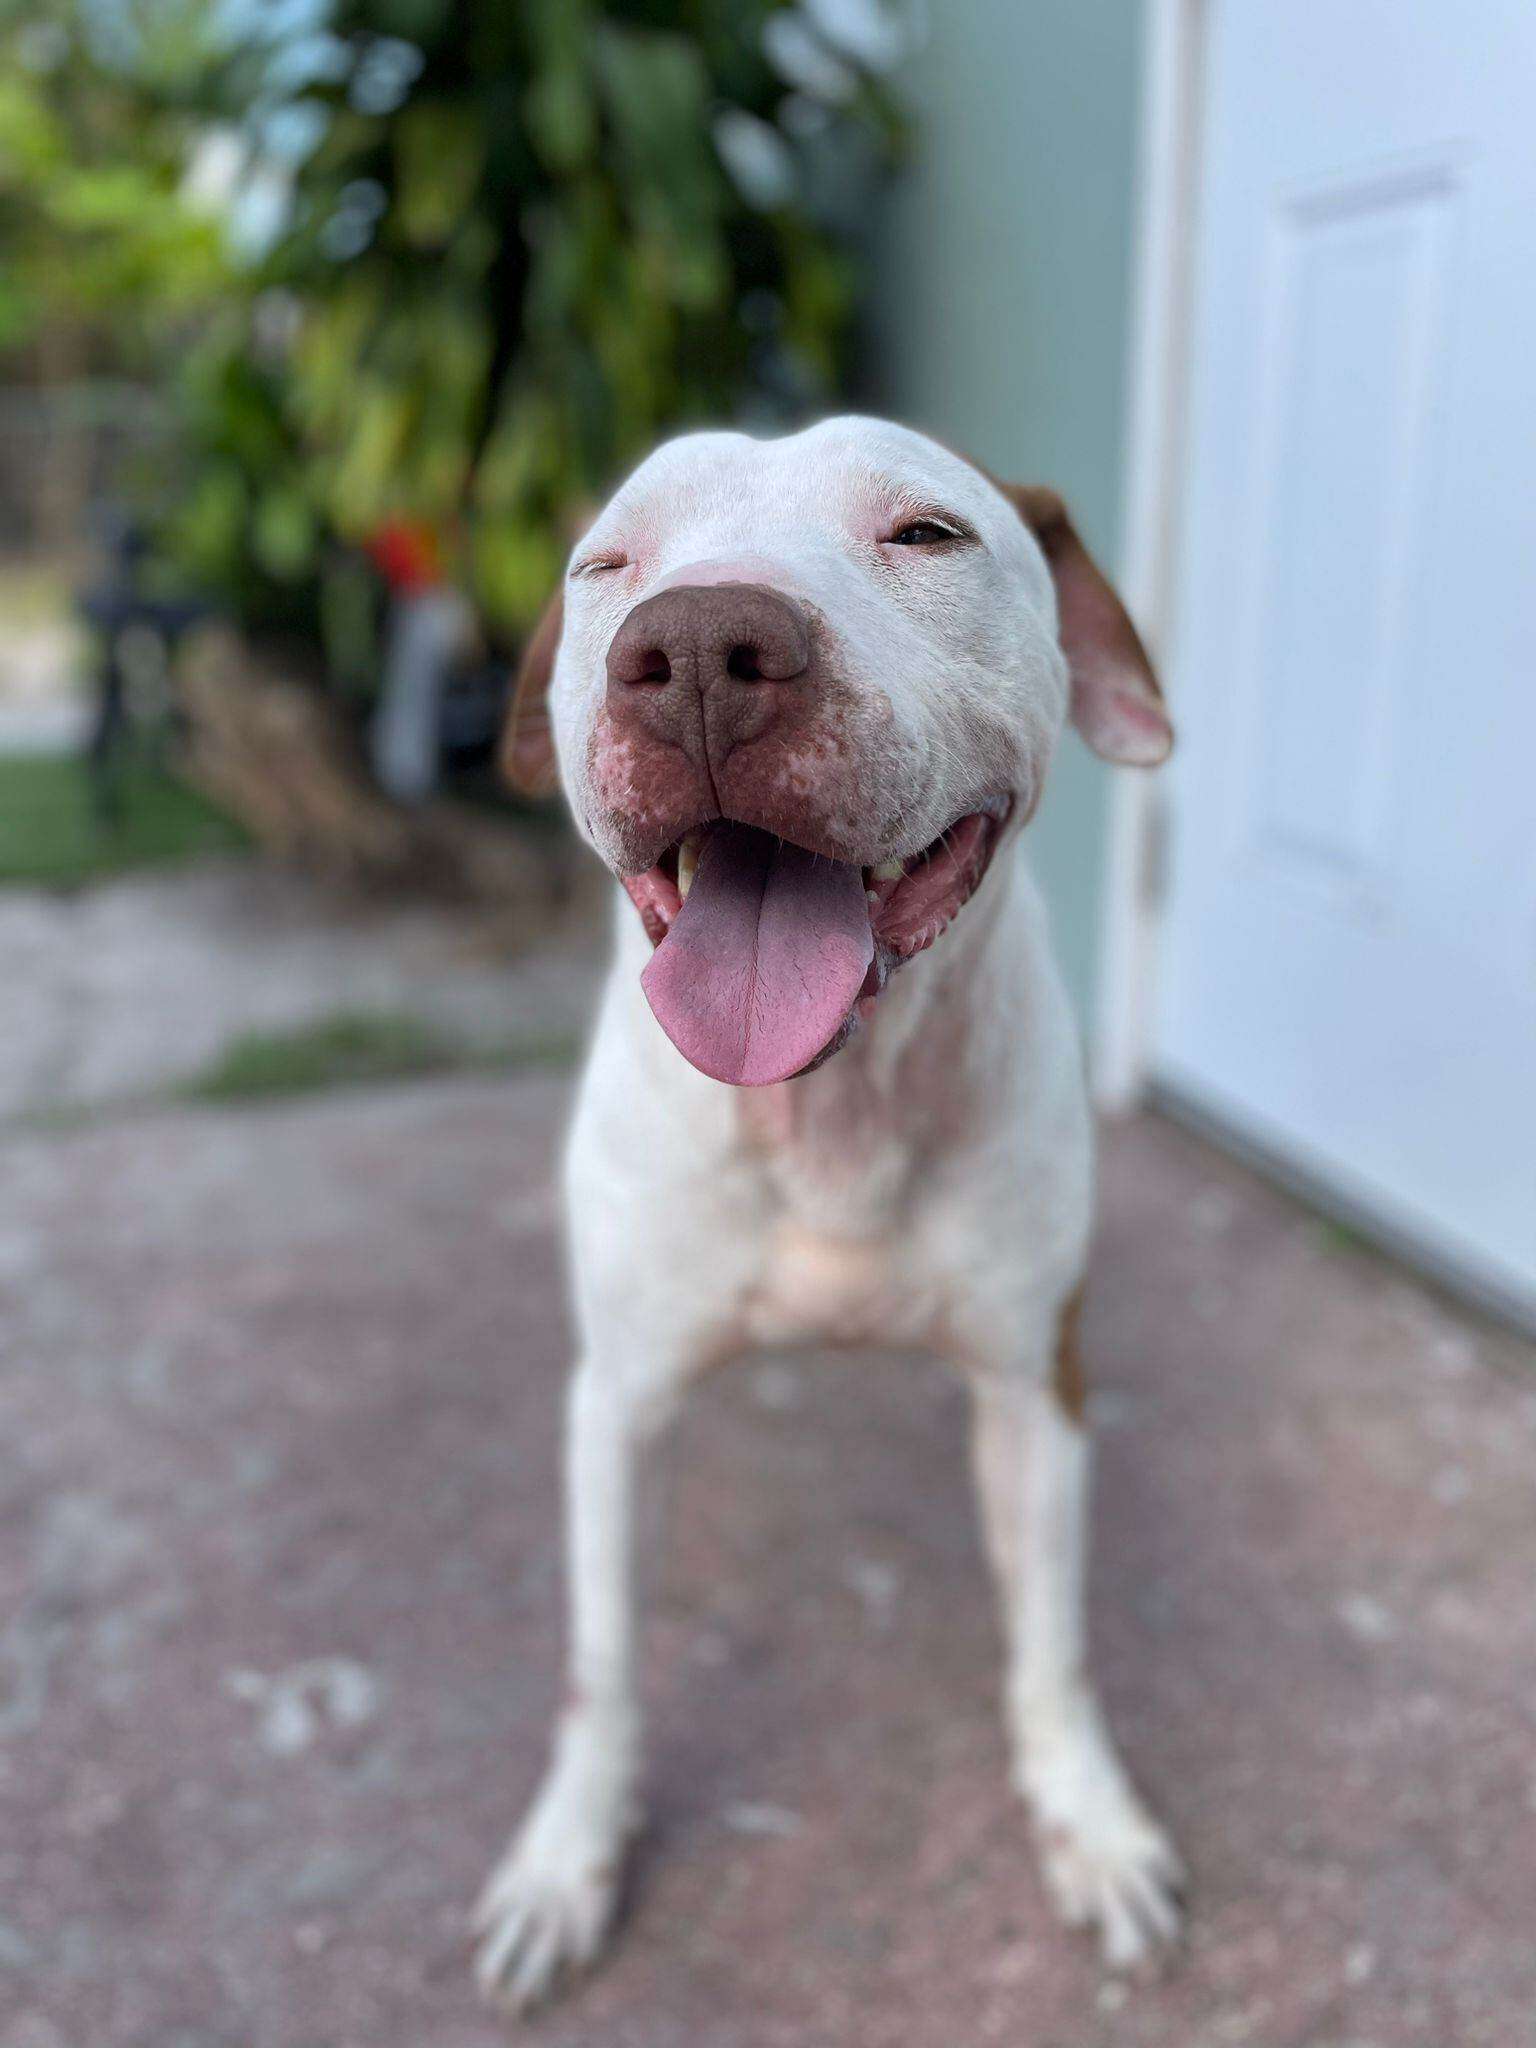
point(705, 667)
point(706, 636)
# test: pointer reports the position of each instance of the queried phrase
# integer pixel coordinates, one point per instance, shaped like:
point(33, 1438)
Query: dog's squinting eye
point(599, 565)
point(923, 533)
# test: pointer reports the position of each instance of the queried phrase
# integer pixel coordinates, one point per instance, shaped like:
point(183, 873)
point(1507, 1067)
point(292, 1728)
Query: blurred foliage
point(99, 108)
point(479, 255)
point(516, 254)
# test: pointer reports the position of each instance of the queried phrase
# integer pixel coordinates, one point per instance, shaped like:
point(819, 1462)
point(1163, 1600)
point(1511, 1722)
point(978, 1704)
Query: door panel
point(1349, 975)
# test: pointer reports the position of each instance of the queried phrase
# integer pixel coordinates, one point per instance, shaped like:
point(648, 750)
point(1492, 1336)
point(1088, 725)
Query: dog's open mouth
point(769, 955)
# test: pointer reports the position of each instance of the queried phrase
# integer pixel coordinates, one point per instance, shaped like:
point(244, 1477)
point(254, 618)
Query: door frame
point(1174, 35)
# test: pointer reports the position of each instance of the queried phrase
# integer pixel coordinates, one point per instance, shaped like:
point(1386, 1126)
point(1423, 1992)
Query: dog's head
point(797, 692)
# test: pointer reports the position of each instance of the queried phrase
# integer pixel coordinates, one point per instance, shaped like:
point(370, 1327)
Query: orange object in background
point(407, 553)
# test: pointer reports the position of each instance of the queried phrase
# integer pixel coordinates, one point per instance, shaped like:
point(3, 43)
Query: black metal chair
point(135, 636)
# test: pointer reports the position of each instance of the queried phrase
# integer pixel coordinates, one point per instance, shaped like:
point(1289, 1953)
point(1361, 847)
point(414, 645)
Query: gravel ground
point(278, 1401)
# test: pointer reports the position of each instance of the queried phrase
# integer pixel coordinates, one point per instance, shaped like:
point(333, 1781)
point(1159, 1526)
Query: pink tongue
point(765, 959)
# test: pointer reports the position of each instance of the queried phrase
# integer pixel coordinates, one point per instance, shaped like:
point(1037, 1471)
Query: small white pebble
point(1366, 1618)
point(750, 1818)
point(877, 1584)
point(1450, 1486)
point(1360, 1964)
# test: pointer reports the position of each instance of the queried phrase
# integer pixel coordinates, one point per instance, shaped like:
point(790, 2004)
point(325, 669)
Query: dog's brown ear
point(527, 739)
point(1116, 703)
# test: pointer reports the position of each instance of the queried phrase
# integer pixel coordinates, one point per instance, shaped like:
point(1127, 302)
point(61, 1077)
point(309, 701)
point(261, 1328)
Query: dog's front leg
point(1106, 1862)
point(549, 1904)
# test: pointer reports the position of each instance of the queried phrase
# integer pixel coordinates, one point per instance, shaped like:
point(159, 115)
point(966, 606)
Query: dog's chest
point(836, 1255)
point(816, 1286)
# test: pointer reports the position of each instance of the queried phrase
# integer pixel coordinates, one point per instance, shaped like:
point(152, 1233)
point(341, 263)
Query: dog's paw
point(1107, 1864)
point(548, 1906)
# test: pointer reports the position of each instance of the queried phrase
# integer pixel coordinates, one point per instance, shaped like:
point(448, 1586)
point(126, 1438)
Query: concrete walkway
point(132, 986)
point(278, 1403)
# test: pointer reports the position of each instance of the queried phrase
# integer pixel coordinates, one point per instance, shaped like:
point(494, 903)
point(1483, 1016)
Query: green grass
point(50, 838)
point(353, 1049)
point(347, 1049)
point(339, 1051)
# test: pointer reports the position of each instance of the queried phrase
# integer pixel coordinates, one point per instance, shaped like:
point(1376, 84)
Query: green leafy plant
point(105, 251)
point(517, 243)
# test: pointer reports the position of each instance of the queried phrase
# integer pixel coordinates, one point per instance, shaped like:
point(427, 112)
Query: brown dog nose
point(708, 635)
point(704, 667)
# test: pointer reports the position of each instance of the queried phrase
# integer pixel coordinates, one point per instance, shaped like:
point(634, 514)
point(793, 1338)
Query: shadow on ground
point(281, 1586)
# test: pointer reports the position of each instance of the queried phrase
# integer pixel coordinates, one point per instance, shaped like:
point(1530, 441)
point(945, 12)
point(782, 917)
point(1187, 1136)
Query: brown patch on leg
point(1069, 1381)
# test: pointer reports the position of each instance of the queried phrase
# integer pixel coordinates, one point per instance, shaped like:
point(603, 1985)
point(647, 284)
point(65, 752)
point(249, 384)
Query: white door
point(1349, 971)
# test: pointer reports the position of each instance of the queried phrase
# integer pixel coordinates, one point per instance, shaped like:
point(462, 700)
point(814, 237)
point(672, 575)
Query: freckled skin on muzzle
point(724, 712)
point(729, 700)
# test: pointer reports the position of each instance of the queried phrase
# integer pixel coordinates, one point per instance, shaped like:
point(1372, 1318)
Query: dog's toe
point(531, 1940)
point(1106, 1863)
point(1124, 1884)
point(543, 1916)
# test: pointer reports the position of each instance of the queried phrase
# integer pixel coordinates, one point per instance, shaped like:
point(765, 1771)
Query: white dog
point(802, 699)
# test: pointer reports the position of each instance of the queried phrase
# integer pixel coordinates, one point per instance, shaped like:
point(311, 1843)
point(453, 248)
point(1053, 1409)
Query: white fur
point(963, 645)
point(828, 1230)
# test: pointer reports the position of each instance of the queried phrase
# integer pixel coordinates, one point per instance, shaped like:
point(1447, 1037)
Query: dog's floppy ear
point(1116, 703)
point(527, 740)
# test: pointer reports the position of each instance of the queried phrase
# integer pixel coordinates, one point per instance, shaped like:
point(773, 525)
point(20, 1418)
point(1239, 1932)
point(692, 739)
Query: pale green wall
point(1002, 304)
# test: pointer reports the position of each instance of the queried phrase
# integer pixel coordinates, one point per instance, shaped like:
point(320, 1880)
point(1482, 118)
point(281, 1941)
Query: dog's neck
point(847, 1140)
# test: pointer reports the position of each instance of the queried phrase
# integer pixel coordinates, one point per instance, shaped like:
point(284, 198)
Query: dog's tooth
point(687, 862)
point(887, 871)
